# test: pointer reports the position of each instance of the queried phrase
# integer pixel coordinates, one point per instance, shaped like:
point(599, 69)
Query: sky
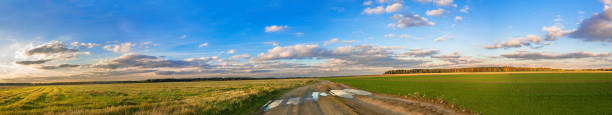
point(83, 40)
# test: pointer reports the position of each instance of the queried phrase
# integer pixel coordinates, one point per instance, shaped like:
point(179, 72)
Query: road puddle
point(348, 93)
point(293, 101)
point(274, 104)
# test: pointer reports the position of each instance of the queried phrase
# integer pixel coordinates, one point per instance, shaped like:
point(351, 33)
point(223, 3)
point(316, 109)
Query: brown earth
point(375, 104)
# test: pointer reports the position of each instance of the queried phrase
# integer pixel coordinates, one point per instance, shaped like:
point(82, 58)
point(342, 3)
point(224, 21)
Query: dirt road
point(328, 98)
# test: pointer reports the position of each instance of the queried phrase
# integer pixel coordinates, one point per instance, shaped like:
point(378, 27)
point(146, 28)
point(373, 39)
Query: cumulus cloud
point(360, 54)
point(299, 51)
point(419, 52)
point(458, 18)
point(554, 32)
point(517, 42)
point(276, 28)
point(32, 62)
point(203, 45)
point(443, 38)
point(54, 50)
point(526, 55)
point(598, 28)
point(375, 10)
point(397, 16)
point(411, 20)
point(246, 56)
point(444, 2)
point(53, 47)
point(394, 7)
point(60, 66)
point(145, 61)
point(120, 48)
point(436, 12)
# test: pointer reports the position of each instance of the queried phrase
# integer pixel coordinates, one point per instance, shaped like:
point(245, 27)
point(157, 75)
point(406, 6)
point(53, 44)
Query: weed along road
point(328, 98)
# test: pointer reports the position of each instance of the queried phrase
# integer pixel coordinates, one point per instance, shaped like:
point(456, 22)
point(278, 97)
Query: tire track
point(361, 103)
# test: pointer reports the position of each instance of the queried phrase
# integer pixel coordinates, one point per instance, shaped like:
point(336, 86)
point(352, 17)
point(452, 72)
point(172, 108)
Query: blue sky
point(308, 38)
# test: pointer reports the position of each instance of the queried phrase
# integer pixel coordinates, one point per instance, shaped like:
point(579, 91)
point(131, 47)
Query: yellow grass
point(207, 97)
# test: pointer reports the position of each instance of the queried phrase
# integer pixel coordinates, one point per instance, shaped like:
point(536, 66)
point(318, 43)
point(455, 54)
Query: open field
point(206, 97)
point(508, 93)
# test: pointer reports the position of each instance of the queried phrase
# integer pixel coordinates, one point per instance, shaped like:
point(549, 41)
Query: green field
point(534, 93)
point(207, 97)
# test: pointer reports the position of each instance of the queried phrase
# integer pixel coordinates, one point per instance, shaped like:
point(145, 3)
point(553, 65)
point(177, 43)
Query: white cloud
point(53, 50)
point(376, 10)
point(367, 55)
point(231, 51)
point(203, 45)
point(439, 2)
point(144, 61)
point(275, 28)
point(390, 36)
point(246, 56)
point(411, 20)
point(517, 42)
point(458, 18)
point(205, 59)
point(598, 28)
point(336, 40)
point(444, 2)
point(554, 32)
point(437, 12)
point(84, 45)
point(183, 36)
point(443, 38)
point(397, 16)
point(367, 3)
point(607, 3)
point(404, 36)
point(53, 47)
point(120, 48)
point(394, 7)
point(465, 9)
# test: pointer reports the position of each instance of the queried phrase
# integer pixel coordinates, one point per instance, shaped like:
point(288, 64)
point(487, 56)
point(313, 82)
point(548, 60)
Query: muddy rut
point(328, 98)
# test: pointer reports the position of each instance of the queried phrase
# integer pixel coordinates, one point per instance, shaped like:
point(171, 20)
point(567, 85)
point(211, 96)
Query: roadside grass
point(526, 93)
point(206, 97)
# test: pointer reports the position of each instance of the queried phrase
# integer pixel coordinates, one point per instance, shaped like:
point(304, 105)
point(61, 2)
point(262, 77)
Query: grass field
point(534, 93)
point(207, 97)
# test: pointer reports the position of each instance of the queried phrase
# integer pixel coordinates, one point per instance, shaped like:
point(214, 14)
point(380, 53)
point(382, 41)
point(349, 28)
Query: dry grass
point(208, 97)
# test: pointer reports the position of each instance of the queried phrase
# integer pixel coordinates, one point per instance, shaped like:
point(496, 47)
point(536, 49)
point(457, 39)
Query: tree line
point(486, 69)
